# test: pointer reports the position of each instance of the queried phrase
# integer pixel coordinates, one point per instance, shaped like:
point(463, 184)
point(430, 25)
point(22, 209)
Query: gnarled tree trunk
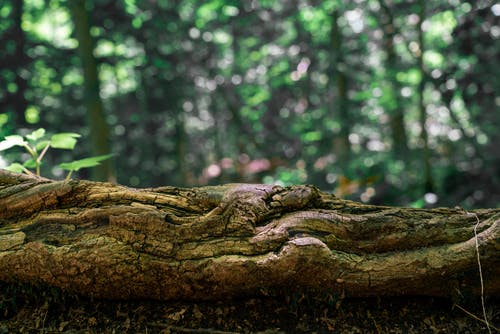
point(105, 240)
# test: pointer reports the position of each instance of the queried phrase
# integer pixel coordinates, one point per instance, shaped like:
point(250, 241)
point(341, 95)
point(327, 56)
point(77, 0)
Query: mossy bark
point(105, 240)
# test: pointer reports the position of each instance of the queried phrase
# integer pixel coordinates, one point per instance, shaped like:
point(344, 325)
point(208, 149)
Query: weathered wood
point(105, 240)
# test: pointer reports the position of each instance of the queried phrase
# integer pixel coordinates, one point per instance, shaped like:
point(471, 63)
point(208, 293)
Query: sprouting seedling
point(37, 144)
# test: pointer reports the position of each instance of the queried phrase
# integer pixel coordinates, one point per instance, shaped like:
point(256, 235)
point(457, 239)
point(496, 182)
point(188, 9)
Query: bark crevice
point(106, 240)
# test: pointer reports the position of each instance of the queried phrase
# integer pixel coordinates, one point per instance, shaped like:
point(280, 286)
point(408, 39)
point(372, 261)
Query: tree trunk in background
point(338, 79)
point(105, 240)
point(424, 137)
point(99, 131)
point(21, 60)
point(16, 61)
point(180, 146)
point(393, 104)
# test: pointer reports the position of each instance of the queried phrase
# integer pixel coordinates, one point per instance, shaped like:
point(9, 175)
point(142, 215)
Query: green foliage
point(37, 144)
point(84, 163)
point(64, 140)
point(326, 92)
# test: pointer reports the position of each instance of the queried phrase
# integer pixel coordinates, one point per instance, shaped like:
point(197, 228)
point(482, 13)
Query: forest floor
point(35, 310)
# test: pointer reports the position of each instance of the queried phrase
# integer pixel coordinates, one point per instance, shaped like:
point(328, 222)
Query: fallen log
point(110, 241)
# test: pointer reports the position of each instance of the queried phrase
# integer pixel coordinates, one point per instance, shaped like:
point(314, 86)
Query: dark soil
point(25, 309)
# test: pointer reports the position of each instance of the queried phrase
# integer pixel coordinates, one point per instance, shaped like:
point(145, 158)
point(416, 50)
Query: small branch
point(480, 271)
point(477, 318)
point(39, 160)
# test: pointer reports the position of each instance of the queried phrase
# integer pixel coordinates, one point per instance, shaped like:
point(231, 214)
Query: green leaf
point(36, 135)
point(31, 163)
point(15, 167)
point(65, 140)
point(84, 163)
point(41, 145)
point(418, 204)
point(11, 141)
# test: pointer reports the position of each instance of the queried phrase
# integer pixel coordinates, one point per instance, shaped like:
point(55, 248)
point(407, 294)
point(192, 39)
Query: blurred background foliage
point(383, 101)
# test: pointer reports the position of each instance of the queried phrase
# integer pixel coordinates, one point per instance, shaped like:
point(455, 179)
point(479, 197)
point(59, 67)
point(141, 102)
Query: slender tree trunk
point(393, 103)
point(14, 102)
point(99, 131)
point(338, 78)
point(181, 144)
point(424, 137)
point(105, 240)
point(21, 59)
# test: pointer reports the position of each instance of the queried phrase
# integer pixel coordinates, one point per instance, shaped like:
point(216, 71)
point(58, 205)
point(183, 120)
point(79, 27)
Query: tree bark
point(105, 240)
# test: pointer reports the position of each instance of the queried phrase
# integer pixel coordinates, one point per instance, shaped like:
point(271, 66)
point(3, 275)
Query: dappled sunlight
point(266, 91)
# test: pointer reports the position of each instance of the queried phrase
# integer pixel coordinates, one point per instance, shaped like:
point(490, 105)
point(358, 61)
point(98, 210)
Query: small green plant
point(37, 144)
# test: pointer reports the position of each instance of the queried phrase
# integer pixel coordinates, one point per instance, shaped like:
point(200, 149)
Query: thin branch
point(472, 315)
point(40, 157)
point(480, 271)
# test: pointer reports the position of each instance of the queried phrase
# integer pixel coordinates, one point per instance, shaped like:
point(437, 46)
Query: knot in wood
point(294, 197)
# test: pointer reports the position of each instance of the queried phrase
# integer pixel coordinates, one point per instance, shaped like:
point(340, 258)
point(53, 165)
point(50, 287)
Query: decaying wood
point(105, 240)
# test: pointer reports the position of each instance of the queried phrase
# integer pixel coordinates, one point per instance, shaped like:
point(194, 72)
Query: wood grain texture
point(105, 240)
